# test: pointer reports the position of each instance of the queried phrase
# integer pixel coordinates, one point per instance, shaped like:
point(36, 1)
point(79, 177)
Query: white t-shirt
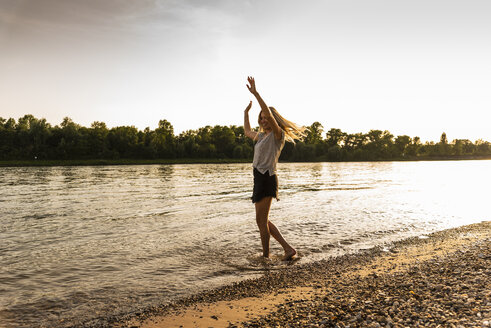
point(267, 150)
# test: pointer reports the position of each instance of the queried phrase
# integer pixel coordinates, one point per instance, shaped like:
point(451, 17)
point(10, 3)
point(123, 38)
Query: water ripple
point(82, 242)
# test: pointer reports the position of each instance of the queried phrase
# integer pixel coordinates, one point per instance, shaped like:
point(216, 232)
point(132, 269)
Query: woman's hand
point(248, 108)
point(247, 126)
point(265, 111)
point(252, 87)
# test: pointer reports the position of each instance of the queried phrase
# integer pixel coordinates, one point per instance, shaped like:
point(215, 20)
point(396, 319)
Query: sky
point(412, 67)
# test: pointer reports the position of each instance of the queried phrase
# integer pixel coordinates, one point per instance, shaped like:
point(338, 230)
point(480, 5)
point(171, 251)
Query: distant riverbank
point(94, 162)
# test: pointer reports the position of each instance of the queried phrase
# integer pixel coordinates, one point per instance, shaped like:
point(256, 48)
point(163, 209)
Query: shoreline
point(103, 162)
point(440, 281)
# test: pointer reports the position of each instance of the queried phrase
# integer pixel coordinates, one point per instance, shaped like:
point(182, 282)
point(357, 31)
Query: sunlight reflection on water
point(81, 242)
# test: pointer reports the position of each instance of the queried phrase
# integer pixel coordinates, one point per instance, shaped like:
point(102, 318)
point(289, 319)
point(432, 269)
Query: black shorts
point(264, 186)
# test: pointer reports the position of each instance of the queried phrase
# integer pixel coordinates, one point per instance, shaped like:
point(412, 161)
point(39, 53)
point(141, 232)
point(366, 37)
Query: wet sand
point(443, 280)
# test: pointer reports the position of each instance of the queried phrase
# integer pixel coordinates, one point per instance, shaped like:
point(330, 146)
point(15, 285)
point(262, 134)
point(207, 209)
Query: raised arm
point(247, 126)
point(265, 111)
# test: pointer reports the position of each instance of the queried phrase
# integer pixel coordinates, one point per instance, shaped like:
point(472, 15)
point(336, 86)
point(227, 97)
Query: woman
point(273, 131)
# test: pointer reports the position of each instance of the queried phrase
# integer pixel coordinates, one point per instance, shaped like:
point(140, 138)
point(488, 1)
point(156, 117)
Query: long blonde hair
point(292, 130)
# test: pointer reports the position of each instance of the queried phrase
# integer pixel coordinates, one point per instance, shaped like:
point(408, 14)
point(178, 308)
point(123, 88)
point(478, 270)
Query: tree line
point(30, 138)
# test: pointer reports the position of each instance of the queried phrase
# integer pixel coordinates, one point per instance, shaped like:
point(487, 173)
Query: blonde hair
point(292, 130)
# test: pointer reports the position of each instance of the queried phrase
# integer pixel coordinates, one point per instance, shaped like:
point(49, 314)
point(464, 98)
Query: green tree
point(401, 145)
point(443, 139)
point(206, 148)
point(468, 147)
point(243, 145)
point(40, 131)
point(8, 137)
point(335, 137)
point(457, 147)
point(314, 133)
point(123, 141)
point(304, 152)
point(23, 139)
point(97, 140)
point(335, 153)
point(30, 138)
point(483, 147)
point(443, 146)
point(68, 145)
point(414, 147)
point(187, 145)
point(379, 144)
point(223, 138)
point(163, 140)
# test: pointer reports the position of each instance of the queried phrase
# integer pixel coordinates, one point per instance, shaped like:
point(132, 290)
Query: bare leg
point(262, 213)
point(289, 251)
point(267, 228)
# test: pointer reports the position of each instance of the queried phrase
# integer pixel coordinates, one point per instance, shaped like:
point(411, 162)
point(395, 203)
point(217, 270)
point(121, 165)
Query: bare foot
point(266, 261)
point(289, 254)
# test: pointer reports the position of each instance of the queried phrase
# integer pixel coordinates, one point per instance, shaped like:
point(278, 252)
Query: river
point(81, 243)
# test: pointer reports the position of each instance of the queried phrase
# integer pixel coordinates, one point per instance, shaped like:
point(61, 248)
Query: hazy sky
point(411, 67)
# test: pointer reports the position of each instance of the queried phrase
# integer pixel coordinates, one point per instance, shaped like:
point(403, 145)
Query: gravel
point(453, 290)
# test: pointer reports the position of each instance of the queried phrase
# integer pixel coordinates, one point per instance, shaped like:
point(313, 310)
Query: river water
point(79, 243)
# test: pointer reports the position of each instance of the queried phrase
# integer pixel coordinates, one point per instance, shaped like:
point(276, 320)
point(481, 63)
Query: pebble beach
point(439, 280)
